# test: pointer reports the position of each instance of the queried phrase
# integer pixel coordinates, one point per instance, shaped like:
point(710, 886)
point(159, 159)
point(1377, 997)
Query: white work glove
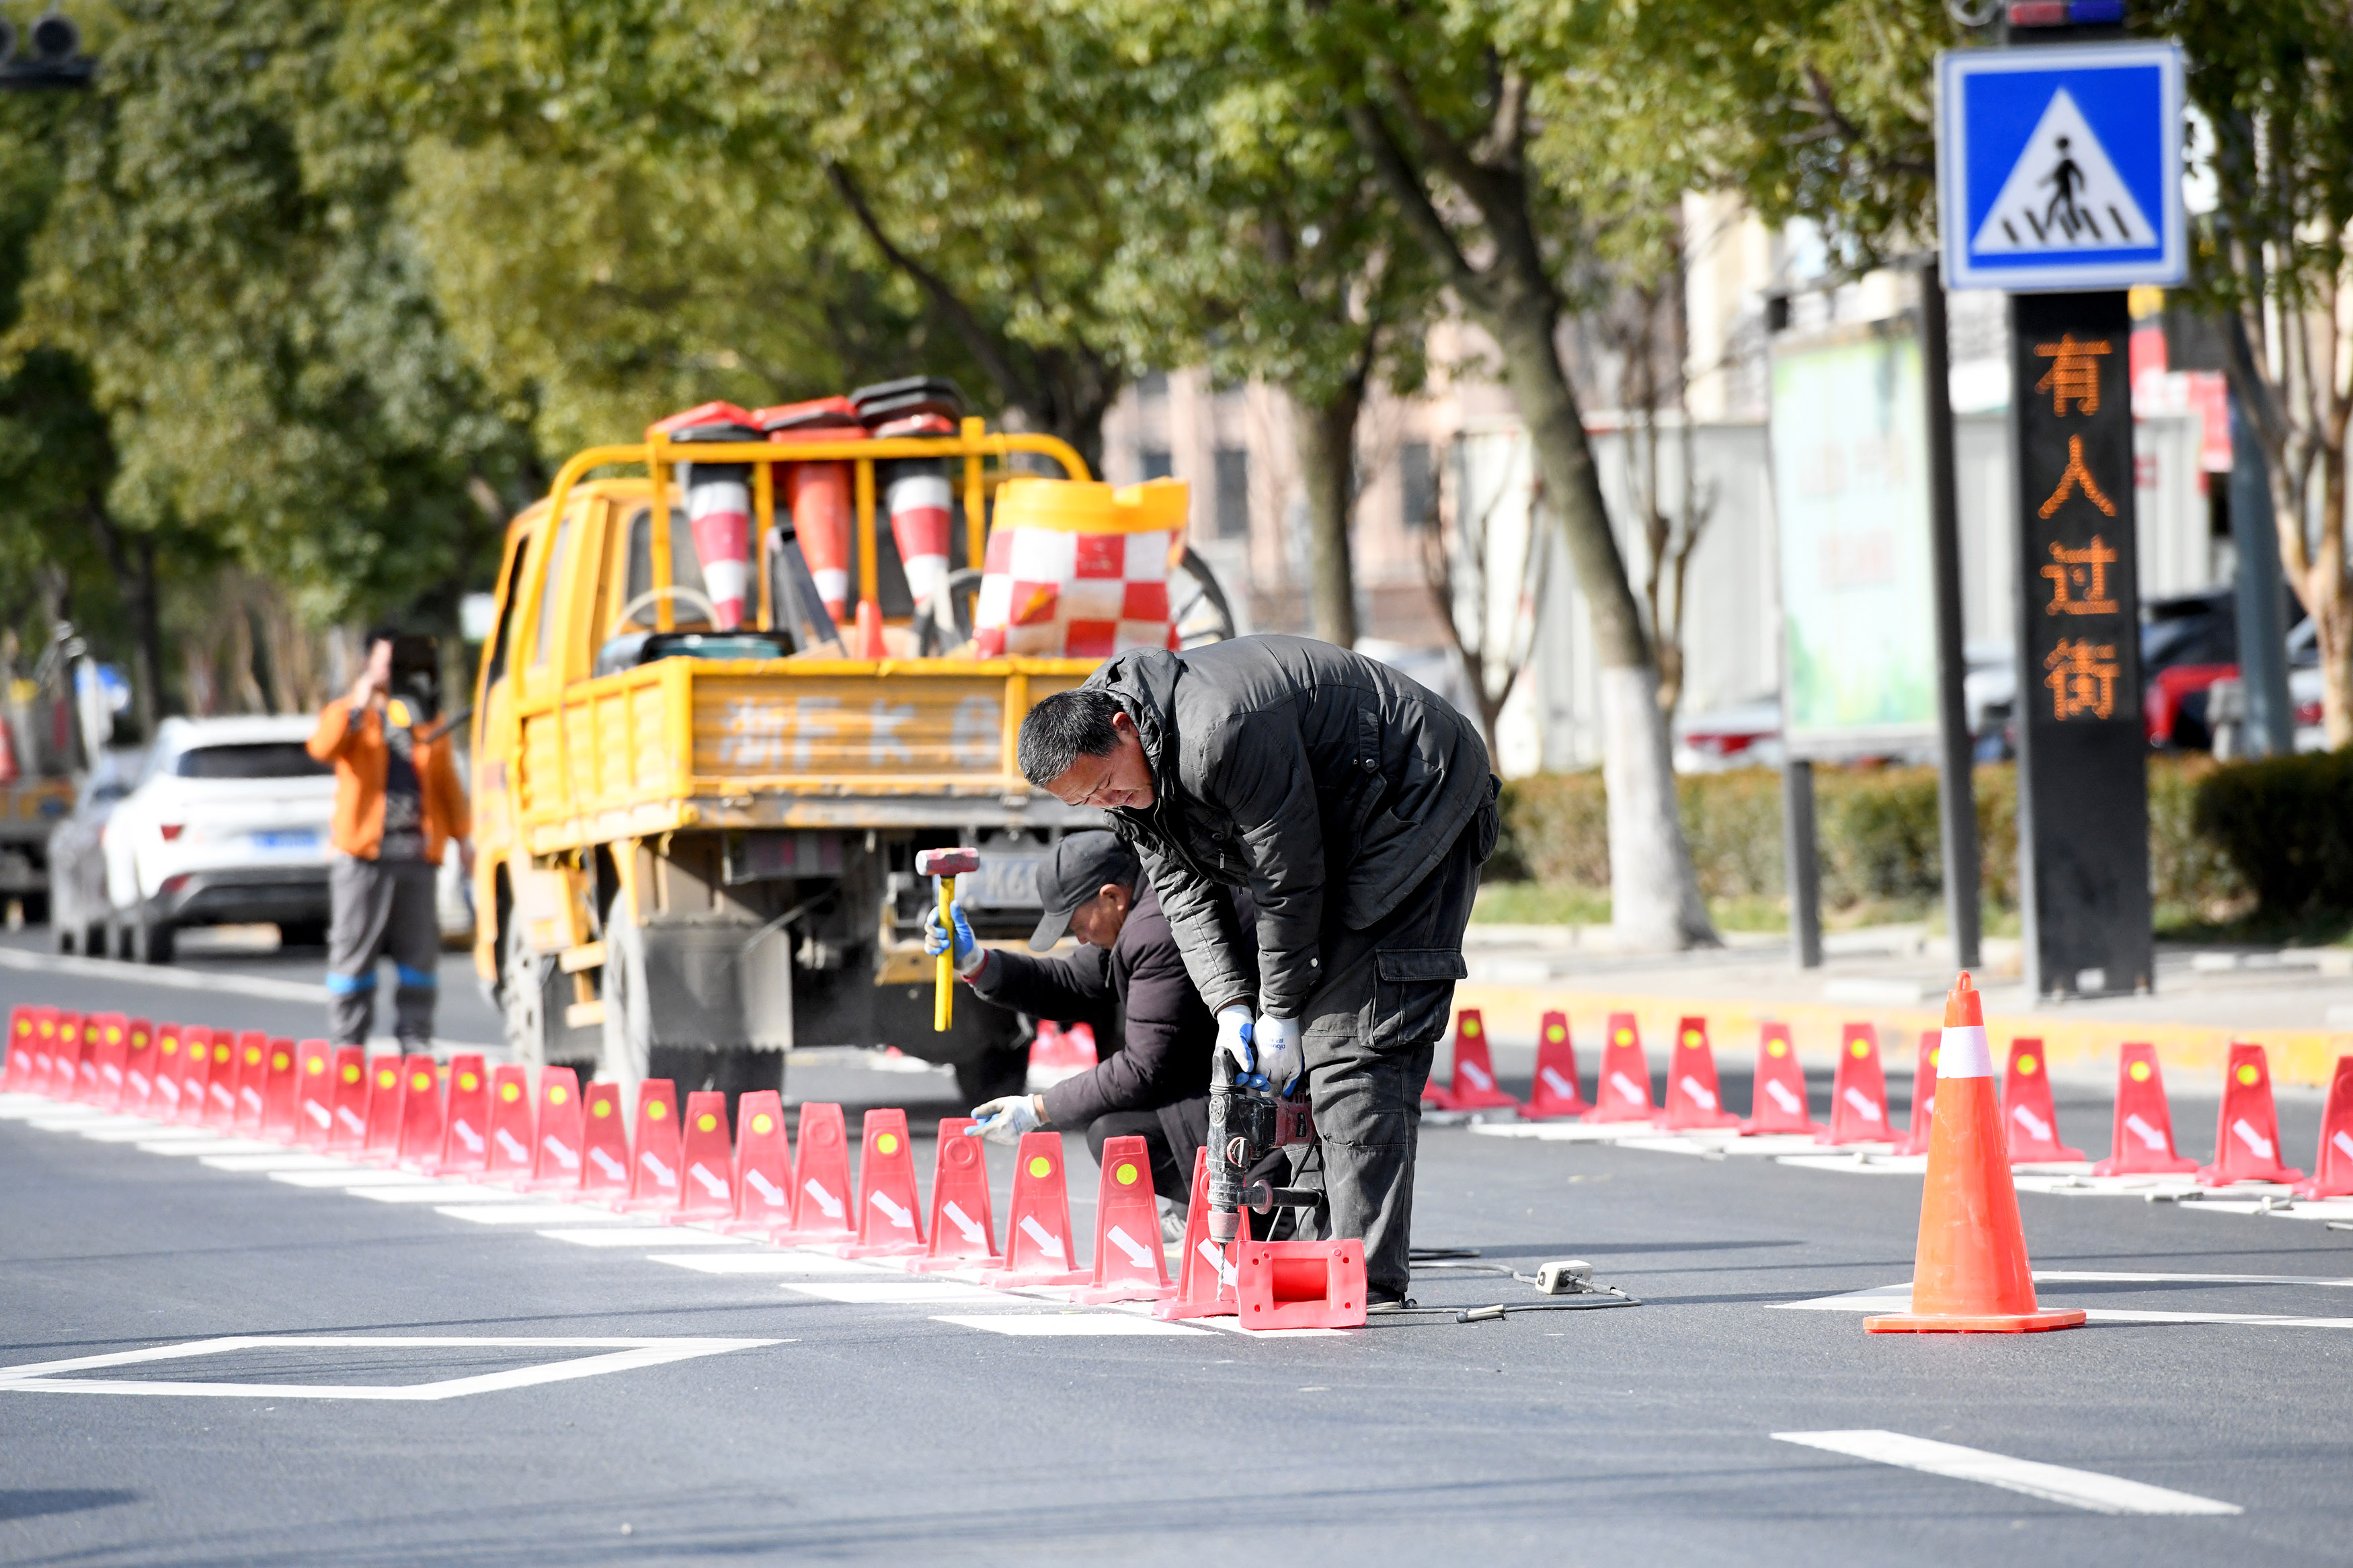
point(1234, 1040)
point(1281, 1055)
point(968, 956)
point(1005, 1121)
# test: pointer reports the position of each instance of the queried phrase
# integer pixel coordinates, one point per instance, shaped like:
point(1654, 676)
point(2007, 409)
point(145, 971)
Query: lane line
point(905, 1293)
point(512, 1213)
point(766, 1263)
point(49, 964)
point(1073, 1325)
point(645, 1236)
point(2052, 1483)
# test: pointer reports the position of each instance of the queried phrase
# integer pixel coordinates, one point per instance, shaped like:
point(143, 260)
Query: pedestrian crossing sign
point(2060, 166)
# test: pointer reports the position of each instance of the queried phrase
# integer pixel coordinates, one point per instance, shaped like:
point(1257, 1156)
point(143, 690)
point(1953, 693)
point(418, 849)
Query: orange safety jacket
point(356, 746)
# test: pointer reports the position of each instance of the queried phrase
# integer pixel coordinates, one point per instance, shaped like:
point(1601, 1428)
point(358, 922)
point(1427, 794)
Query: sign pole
point(2083, 758)
point(1957, 804)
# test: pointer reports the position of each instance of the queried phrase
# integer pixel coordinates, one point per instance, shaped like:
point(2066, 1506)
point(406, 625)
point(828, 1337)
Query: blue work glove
point(969, 954)
point(1235, 1039)
point(1281, 1054)
point(1005, 1121)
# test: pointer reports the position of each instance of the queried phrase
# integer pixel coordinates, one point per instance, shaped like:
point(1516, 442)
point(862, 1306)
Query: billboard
point(1849, 456)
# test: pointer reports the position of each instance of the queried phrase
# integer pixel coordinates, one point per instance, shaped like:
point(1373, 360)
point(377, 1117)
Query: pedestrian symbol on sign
point(2063, 193)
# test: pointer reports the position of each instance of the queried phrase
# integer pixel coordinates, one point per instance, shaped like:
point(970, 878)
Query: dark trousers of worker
point(380, 908)
point(1172, 1136)
point(1372, 1026)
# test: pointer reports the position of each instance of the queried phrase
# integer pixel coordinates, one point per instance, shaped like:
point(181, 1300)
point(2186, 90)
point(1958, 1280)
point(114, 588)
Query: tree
point(2274, 258)
point(1445, 103)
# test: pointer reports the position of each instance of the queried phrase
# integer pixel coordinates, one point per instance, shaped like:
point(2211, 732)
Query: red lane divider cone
point(1971, 1275)
point(281, 1089)
point(16, 1077)
point(1038, 1249)
point(196, 1074)
point(1624, 1092)
point(314, 1094)
point(420, 1113)
point(1555, 1092)
point(2246, 1136)
point(1695, 1100)
point(1923, 1097)
point(1300, 1285)
point(77, 1073)
point(557, 1151)
point(2031, 1119)
point(347, 1103)
point(510, 1124)
point(706, 1159)
point(2143, 1142)
point(221, 1081)
point(2332, 1169)
point(45, 1051)
point(821, 1189)
point(1778, 1103)
point(764, 1165)
point(1859, 1093)
point(110, 1052)
point(604, 1142)
point(139, 1067)
point(466, 1122)
point(653, 1169)
point(1130, 1264)
point(252, 1078)
point(382, 1145)
point(964, 1230)
point(1470, 1084)
point(170, 1064)
point(890, 1215)
point(1205, 1271)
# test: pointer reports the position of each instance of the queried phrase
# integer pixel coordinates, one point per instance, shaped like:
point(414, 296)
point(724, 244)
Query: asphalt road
point(857, 1431)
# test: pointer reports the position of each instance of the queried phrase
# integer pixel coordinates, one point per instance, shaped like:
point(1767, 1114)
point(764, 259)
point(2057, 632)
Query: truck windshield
point(257, 759)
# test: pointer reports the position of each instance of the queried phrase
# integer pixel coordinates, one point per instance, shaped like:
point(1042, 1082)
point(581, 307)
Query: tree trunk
point(1653, 893)
point(1326, 435)
point(132, 559)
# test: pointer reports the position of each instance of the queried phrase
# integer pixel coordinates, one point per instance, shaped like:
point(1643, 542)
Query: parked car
point(227, 825)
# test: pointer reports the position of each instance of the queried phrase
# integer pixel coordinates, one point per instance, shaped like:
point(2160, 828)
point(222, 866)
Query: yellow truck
point(695, 844)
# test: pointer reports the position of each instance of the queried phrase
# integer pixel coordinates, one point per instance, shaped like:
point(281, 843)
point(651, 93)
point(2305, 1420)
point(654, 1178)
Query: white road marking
point(208, 1145)
point(1898, 1298)
point(644, 1235)
point(284, 1160)
point(2054, 1483)
point(771, 1263)
point(47, 964)
point(129, 1132)
point(1059, 1325)
point(622, 1356)
point(525, 1213)
point(906, 1293)
point(354, 1176)
point(434, 1192)
point(1882, 1161)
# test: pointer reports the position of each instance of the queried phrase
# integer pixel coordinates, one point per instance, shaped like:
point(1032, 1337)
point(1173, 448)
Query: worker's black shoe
point(1377, 1303)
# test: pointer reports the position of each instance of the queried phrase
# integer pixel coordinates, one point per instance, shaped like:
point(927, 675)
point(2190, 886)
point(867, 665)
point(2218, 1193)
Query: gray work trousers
point(378, 909)
point(1372, 1026)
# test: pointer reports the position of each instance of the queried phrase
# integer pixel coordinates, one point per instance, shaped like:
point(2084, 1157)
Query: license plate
point(1003, 881)
point(286, 840)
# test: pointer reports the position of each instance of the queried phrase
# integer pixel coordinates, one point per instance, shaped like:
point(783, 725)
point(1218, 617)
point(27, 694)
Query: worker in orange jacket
point(397, 804)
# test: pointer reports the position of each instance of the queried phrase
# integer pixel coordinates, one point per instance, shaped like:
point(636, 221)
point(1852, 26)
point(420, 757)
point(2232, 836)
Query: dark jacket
point(1302, 772)
point(1136, 996)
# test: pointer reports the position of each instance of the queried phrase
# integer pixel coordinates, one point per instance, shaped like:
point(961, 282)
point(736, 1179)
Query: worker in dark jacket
point(1128, 982)
point(1355, 806)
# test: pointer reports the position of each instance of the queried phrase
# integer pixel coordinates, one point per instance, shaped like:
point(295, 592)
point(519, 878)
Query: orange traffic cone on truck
point(1971, 1275)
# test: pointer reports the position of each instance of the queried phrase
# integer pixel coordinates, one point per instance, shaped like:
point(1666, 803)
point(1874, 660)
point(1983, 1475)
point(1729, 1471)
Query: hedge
point(2217, 835)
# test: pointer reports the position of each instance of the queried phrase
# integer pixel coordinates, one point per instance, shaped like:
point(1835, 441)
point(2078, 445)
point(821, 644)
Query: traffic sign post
point(2059, 180)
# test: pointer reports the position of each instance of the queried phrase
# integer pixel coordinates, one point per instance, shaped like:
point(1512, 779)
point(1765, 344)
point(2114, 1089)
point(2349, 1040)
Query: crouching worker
point(1129, 982)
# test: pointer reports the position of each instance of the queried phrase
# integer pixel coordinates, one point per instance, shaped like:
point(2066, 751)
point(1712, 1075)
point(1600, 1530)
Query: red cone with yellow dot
point(2028, 1114)
point(1971, 1275)
point(1129, 1263)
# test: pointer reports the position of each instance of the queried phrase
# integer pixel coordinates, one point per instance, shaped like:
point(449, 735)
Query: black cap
point(1075, 871)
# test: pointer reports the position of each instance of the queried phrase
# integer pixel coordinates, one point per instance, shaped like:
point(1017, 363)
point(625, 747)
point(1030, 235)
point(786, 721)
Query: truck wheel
point(630, 1056)
point(151, 941)
point(992, 1075)
point(522, 996)
point(739, 1073)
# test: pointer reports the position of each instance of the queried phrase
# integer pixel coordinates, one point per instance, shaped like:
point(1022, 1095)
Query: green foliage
point(1880, 844)
point(2285, 825)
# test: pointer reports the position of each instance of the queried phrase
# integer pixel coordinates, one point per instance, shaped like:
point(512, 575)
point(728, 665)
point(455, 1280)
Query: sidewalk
point(2298, 1002)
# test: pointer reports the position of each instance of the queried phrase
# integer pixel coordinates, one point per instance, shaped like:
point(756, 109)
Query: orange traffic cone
point(1130, 1264)
point(1555, 1092)
point(1971, 1276)
point(281, 1089)
point(2246, 1135)
point(706, 1159)
point(964, 1230)
point(18, 1078)
point(2143, 1145)
point(2332, 1172)
point(1038, 1249)
point(557, 1161)
point(1205, 1282)
point(351, 1104)
point(510, 1124)
point(109, 1049)
point(1859, 1091)
point(1624, 1091)
point(764, 1165)
point(1471, 1085)
point(139, 1067)
point(1778, 1103)
point(2031, 1118)
point(164, 1102)
point(1694, 1097)
point(314, 1094)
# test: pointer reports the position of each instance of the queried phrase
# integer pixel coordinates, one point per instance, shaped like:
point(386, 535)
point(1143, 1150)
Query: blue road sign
point(2060, 166)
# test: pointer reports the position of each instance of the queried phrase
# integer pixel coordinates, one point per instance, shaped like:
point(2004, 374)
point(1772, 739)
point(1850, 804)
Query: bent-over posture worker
point(1128, 981)
point(1356, 807)
point(397, 803)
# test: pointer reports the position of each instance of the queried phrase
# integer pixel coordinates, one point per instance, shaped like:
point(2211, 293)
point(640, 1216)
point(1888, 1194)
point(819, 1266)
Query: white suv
point(227, 825)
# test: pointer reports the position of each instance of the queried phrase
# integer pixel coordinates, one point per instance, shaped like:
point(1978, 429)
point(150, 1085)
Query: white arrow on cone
point(955, 1214)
